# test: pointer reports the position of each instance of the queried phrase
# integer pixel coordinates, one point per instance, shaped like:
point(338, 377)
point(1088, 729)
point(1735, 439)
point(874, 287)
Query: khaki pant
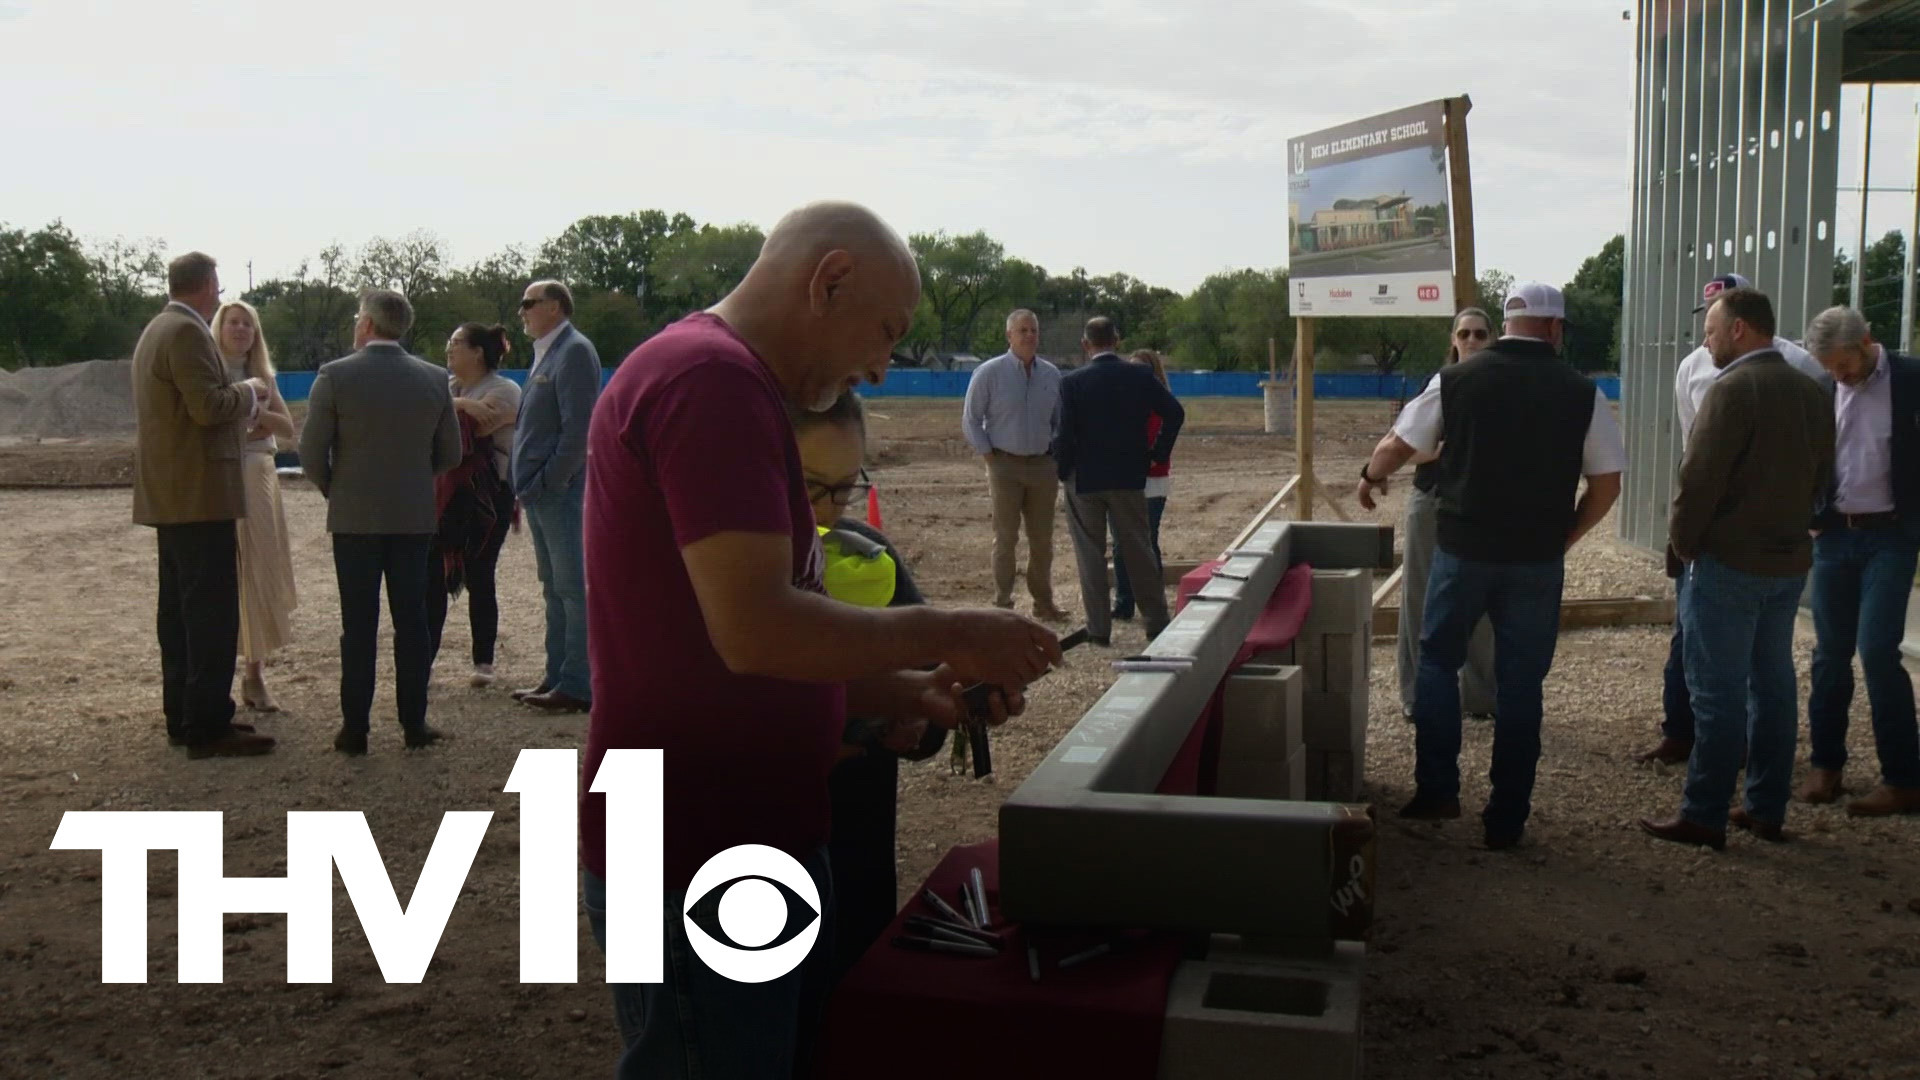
point(1022, 489)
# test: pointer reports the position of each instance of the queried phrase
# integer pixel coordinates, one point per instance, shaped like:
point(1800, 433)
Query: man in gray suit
point(549, 474)
point(380, 427)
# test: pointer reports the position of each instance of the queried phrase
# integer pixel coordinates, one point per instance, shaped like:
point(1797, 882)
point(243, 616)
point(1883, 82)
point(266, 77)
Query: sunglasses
point(841, 494)
point(532, 300)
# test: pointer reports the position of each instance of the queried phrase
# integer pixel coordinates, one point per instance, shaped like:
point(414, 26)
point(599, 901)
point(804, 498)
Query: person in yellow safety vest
point(863, 568)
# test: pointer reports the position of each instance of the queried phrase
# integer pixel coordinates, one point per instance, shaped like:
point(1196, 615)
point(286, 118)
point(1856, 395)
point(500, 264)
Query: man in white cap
point(1517, 428)
point(1691, 381)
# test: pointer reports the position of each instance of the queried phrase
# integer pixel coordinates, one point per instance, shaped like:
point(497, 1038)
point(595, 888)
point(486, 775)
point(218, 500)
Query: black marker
point(931, 945)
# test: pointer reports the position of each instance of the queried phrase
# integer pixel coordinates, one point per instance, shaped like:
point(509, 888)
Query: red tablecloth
point(909, 1015)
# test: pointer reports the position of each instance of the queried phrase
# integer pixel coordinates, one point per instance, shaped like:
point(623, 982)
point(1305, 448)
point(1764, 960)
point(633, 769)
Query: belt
point(1886, 519)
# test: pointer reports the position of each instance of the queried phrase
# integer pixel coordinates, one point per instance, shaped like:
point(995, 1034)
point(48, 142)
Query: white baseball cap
point(1534, 300)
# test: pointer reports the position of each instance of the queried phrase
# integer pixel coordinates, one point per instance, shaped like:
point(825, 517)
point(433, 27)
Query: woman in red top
point(1159, 482)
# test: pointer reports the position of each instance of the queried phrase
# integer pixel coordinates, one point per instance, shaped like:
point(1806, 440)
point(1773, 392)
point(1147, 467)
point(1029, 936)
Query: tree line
point(64, 299)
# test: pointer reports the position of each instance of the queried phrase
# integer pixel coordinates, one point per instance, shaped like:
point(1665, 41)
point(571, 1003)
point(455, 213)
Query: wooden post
point(1273, 360)
point(1303, 417)
point(1466, 285)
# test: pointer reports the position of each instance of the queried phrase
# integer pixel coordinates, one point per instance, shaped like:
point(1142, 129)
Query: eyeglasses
point(1468, 333)
point(841, 494)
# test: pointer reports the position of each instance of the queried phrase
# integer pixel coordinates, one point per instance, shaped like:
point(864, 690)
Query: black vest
point(1515, 426)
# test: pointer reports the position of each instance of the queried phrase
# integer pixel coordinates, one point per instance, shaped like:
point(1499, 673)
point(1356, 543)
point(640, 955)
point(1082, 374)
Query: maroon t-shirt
point(691, 438)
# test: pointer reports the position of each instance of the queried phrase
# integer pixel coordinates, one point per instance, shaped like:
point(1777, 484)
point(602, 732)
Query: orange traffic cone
point(873, 508)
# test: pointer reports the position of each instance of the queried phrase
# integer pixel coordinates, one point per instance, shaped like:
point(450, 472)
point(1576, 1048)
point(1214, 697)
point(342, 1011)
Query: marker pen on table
point(945, 909)
point(1086, 954)
point(933, 945)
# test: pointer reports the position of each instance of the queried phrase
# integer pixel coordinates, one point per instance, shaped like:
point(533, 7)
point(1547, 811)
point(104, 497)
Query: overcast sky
point(1125, 135)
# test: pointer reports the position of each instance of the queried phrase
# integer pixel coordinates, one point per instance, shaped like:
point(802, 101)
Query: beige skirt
point(267, 598)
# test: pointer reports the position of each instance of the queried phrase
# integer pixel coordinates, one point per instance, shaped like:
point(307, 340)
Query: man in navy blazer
point(1102, 453)
point(1866, 545)
point(549, 475)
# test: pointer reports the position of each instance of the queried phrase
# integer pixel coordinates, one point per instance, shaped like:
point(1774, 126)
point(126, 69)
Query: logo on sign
point(1429, 292)
point(1299, 159)
point(1382, 292)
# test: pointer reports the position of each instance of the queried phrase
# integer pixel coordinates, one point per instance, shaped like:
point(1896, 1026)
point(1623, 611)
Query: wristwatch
point(1364, 476)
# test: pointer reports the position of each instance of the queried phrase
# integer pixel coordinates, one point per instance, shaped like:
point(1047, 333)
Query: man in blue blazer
point(1866, 545)
point(1102, 453)
point(549, 475)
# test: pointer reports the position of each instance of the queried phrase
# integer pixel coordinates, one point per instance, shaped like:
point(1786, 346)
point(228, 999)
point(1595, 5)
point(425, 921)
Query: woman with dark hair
point(476, 497)
point(1472, 332)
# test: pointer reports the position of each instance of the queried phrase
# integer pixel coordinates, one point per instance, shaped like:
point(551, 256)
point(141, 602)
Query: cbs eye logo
point(742, 918)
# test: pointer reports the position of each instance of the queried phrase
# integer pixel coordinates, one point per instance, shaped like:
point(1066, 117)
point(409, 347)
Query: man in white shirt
point(1011, 415)
point(1517, 429)
point(1691, 381)
point(1865, 549)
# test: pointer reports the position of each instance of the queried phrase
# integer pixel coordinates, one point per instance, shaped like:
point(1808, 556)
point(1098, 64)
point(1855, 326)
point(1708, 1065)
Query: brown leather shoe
point(1669, 752)
point(522, 695)
point(555, 701)
point(1821, 786)
point(1771, 831)
point(1884, 801)
point(235, 744)
point(1681, 831)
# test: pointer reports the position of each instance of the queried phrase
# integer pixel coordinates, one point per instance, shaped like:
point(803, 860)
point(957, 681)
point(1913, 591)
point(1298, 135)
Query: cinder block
point(1348, 661)
point(1346, 774)
point(1283, 657)
point(1342, 603)
point(1262, 718)
point(1334, 719)
point(1311, 654)
point(1257, 778)
point(1234, 1020)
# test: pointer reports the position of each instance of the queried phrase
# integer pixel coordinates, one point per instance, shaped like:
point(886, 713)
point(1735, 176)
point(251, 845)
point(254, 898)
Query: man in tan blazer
point(187, 485)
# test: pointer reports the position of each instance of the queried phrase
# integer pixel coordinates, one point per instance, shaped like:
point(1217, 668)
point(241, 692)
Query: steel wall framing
point(1736, 151)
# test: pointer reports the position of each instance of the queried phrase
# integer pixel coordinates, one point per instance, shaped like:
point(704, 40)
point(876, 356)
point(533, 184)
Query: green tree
point(1880, 300)
point(47, 293)
point(614, 322)
point(612, 252)
point(960, 277)
point(696, 267)
point(308, 318)
point(1593, 300)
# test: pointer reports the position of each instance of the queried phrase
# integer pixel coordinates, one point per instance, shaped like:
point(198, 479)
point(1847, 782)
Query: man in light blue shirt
point(1011, 414)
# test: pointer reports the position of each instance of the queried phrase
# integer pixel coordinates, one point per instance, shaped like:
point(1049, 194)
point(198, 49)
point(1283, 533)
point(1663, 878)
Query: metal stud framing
point(1736, 152)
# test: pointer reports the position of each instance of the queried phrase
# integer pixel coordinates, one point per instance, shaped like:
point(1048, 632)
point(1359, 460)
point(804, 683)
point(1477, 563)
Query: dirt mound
point(90, 399)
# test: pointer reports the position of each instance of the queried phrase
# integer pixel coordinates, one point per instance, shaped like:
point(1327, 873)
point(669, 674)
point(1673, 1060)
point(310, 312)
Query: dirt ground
point(1590, 951)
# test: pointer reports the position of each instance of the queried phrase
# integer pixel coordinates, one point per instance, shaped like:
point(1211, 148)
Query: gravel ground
point(1589, 951)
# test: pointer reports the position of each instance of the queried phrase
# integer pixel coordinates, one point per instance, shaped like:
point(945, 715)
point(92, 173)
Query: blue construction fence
point(926, 383)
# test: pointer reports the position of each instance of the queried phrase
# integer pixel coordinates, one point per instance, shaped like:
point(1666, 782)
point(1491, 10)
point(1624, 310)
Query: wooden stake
point(1303, 415)
point(1273, 360)
point(1466, 285)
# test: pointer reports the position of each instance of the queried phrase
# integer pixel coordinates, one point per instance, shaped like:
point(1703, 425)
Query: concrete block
point(1348, 661)
point(1261, 712)
point(1258, 778)
point(1310, 652)
point(1235, 1020)
point(1346, 774)
point(1334, 719)
point(1342, 603)
point(1283, 657)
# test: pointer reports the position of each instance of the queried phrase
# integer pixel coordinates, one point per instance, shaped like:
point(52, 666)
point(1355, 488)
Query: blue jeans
point(554, 520)
point(1861, 579)
point(1739, 632)
point(1123, 592)
point(1676, 700)
point(1522, 601)
point(698, 1025)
